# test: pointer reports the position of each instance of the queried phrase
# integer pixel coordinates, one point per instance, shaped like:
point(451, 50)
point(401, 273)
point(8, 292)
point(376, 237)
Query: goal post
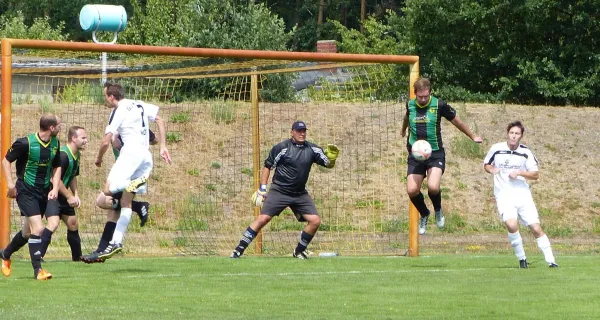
point(202, 206)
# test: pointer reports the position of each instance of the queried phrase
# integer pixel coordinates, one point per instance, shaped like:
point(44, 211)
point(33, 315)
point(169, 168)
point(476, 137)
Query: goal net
point(213, 107)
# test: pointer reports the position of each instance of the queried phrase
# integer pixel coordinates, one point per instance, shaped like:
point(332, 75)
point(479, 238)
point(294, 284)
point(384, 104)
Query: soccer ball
point(421, 150)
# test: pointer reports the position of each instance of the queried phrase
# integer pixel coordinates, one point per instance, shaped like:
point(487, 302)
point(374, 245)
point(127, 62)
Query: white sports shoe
point(423, 224)
point(440, 220)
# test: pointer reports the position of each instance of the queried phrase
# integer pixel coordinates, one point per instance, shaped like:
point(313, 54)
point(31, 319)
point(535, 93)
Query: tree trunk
point(320, 16)
point(363, 14)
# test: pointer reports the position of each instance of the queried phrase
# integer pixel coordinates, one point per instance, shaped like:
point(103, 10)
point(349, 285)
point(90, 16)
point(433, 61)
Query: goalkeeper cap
point(299, 125)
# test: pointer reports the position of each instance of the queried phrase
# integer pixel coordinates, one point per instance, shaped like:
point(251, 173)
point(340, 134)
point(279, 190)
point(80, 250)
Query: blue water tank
point(100, 17)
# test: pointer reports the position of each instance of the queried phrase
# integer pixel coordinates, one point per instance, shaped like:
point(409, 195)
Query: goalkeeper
point(292, 160)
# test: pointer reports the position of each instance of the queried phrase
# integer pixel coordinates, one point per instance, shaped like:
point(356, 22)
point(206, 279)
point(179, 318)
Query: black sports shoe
point(110, 251)
point(144, 213)
point(235, 254)
point(93, 257)
point(523, 264)
point(553, 265)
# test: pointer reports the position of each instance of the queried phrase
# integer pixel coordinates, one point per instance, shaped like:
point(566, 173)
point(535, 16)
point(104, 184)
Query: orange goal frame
point(6, 78)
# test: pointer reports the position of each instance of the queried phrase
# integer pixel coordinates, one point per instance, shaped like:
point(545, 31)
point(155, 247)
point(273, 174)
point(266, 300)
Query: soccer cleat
point(235, 254)
point(300, 255)
point(423, 224)
point(144, 213)
point(110, 251)
point(43, 275)
point(6, 270)
point(523, 264)
point(136, 183)
point(553, 265)
point(440, 220)
point(93, 257)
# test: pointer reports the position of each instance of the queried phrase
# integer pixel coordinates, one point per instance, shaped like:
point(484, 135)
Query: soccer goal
point(224, 110)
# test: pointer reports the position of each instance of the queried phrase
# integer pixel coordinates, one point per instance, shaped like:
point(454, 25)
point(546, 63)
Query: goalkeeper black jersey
point(292, 163)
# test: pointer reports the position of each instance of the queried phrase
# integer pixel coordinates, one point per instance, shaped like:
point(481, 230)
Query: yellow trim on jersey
point(45, 145)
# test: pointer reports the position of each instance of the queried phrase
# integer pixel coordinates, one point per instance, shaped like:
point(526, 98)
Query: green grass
point(461, 286)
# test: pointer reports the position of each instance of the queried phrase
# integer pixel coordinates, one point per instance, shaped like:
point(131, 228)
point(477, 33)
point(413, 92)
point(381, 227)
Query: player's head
point(422, 91)
point(50, 122)
point(515, 132)
point(113, 93)
point(77, 137)
point(299, 132)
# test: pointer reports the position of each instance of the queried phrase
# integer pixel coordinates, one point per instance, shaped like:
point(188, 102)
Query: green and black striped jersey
point(35, 159)
point(69, 163)
point(424, 121)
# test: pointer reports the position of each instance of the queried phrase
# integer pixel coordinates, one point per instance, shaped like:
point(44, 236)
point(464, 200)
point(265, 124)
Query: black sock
point(136, 206)
point(247, 238)
point(107, 234)
point(17, 242)
point(419, 202)
point(305, 239)
point(35, 252)
point(436, 199)
point(46, 240)
point(75, 243)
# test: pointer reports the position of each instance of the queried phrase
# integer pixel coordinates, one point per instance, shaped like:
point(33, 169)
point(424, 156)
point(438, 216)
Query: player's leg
point(73, 238)
point(122, 172)
point(530, 217)
point(35, 246)
point(18, 241)
point(509, 215)
point(272, 206)
point(305, 210)
point(111, 204)
point(51, 209)
point(414, 179)
point(141, 208)
point(436, 165)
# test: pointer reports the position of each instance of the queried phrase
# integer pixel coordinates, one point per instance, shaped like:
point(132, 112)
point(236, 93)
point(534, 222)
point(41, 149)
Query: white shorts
point(520, 208)
point(131, 164)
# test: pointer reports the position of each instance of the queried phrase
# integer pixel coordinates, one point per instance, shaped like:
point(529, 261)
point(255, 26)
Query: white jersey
point(131, 120)
point(500, 156)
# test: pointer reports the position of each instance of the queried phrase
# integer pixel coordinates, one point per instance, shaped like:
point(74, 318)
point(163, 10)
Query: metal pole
point(413, 213)
point(5, 139)
point(256, 148)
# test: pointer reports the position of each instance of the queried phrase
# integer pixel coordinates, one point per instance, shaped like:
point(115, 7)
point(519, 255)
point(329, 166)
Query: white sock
point(544, 245)
point(122, 224)
point(118, 186)
point(517, 243)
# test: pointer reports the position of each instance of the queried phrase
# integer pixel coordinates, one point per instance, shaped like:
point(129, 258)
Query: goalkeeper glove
point(259, 196)
point(332, 152)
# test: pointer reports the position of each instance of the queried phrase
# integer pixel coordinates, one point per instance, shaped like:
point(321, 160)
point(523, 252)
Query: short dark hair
point(115, 89)
point(48, 120)
point(422, 84)
point(516, 124)
point(73, 132)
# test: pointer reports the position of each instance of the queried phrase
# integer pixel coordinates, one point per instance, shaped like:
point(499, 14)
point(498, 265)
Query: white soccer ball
point(421, 150)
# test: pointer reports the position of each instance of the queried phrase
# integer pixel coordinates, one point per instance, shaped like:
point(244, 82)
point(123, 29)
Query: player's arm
point(56, 176)
point(104, 144)
point(405, 122)
point(76, 202)
point(529, 175)
point(490, 169)
point(19, 148)
point(162, 139)
point(488, 162)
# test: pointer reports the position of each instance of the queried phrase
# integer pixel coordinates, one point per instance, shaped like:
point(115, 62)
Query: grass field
point(428, 287)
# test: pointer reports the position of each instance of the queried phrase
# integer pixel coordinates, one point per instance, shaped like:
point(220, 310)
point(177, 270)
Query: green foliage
point(464, 147)
point(223, 111)
point(216, 165)
point(13, 26)
point(247, 171)
point(193, 211)
point(173, 137)
point(82, 92)
point(194, 172)
point(181, 117)
point(394, 225)
point(376, 204)
point(543, 54)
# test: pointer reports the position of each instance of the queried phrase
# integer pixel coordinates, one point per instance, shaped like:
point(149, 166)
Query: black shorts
point(436, 160)
point(116, 202)
point(64, 208)
point(33, 201)
point(276, 202)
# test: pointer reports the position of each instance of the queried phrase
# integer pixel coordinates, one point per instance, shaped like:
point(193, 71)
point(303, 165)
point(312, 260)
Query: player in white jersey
point(130, 118)
point(512, 164)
